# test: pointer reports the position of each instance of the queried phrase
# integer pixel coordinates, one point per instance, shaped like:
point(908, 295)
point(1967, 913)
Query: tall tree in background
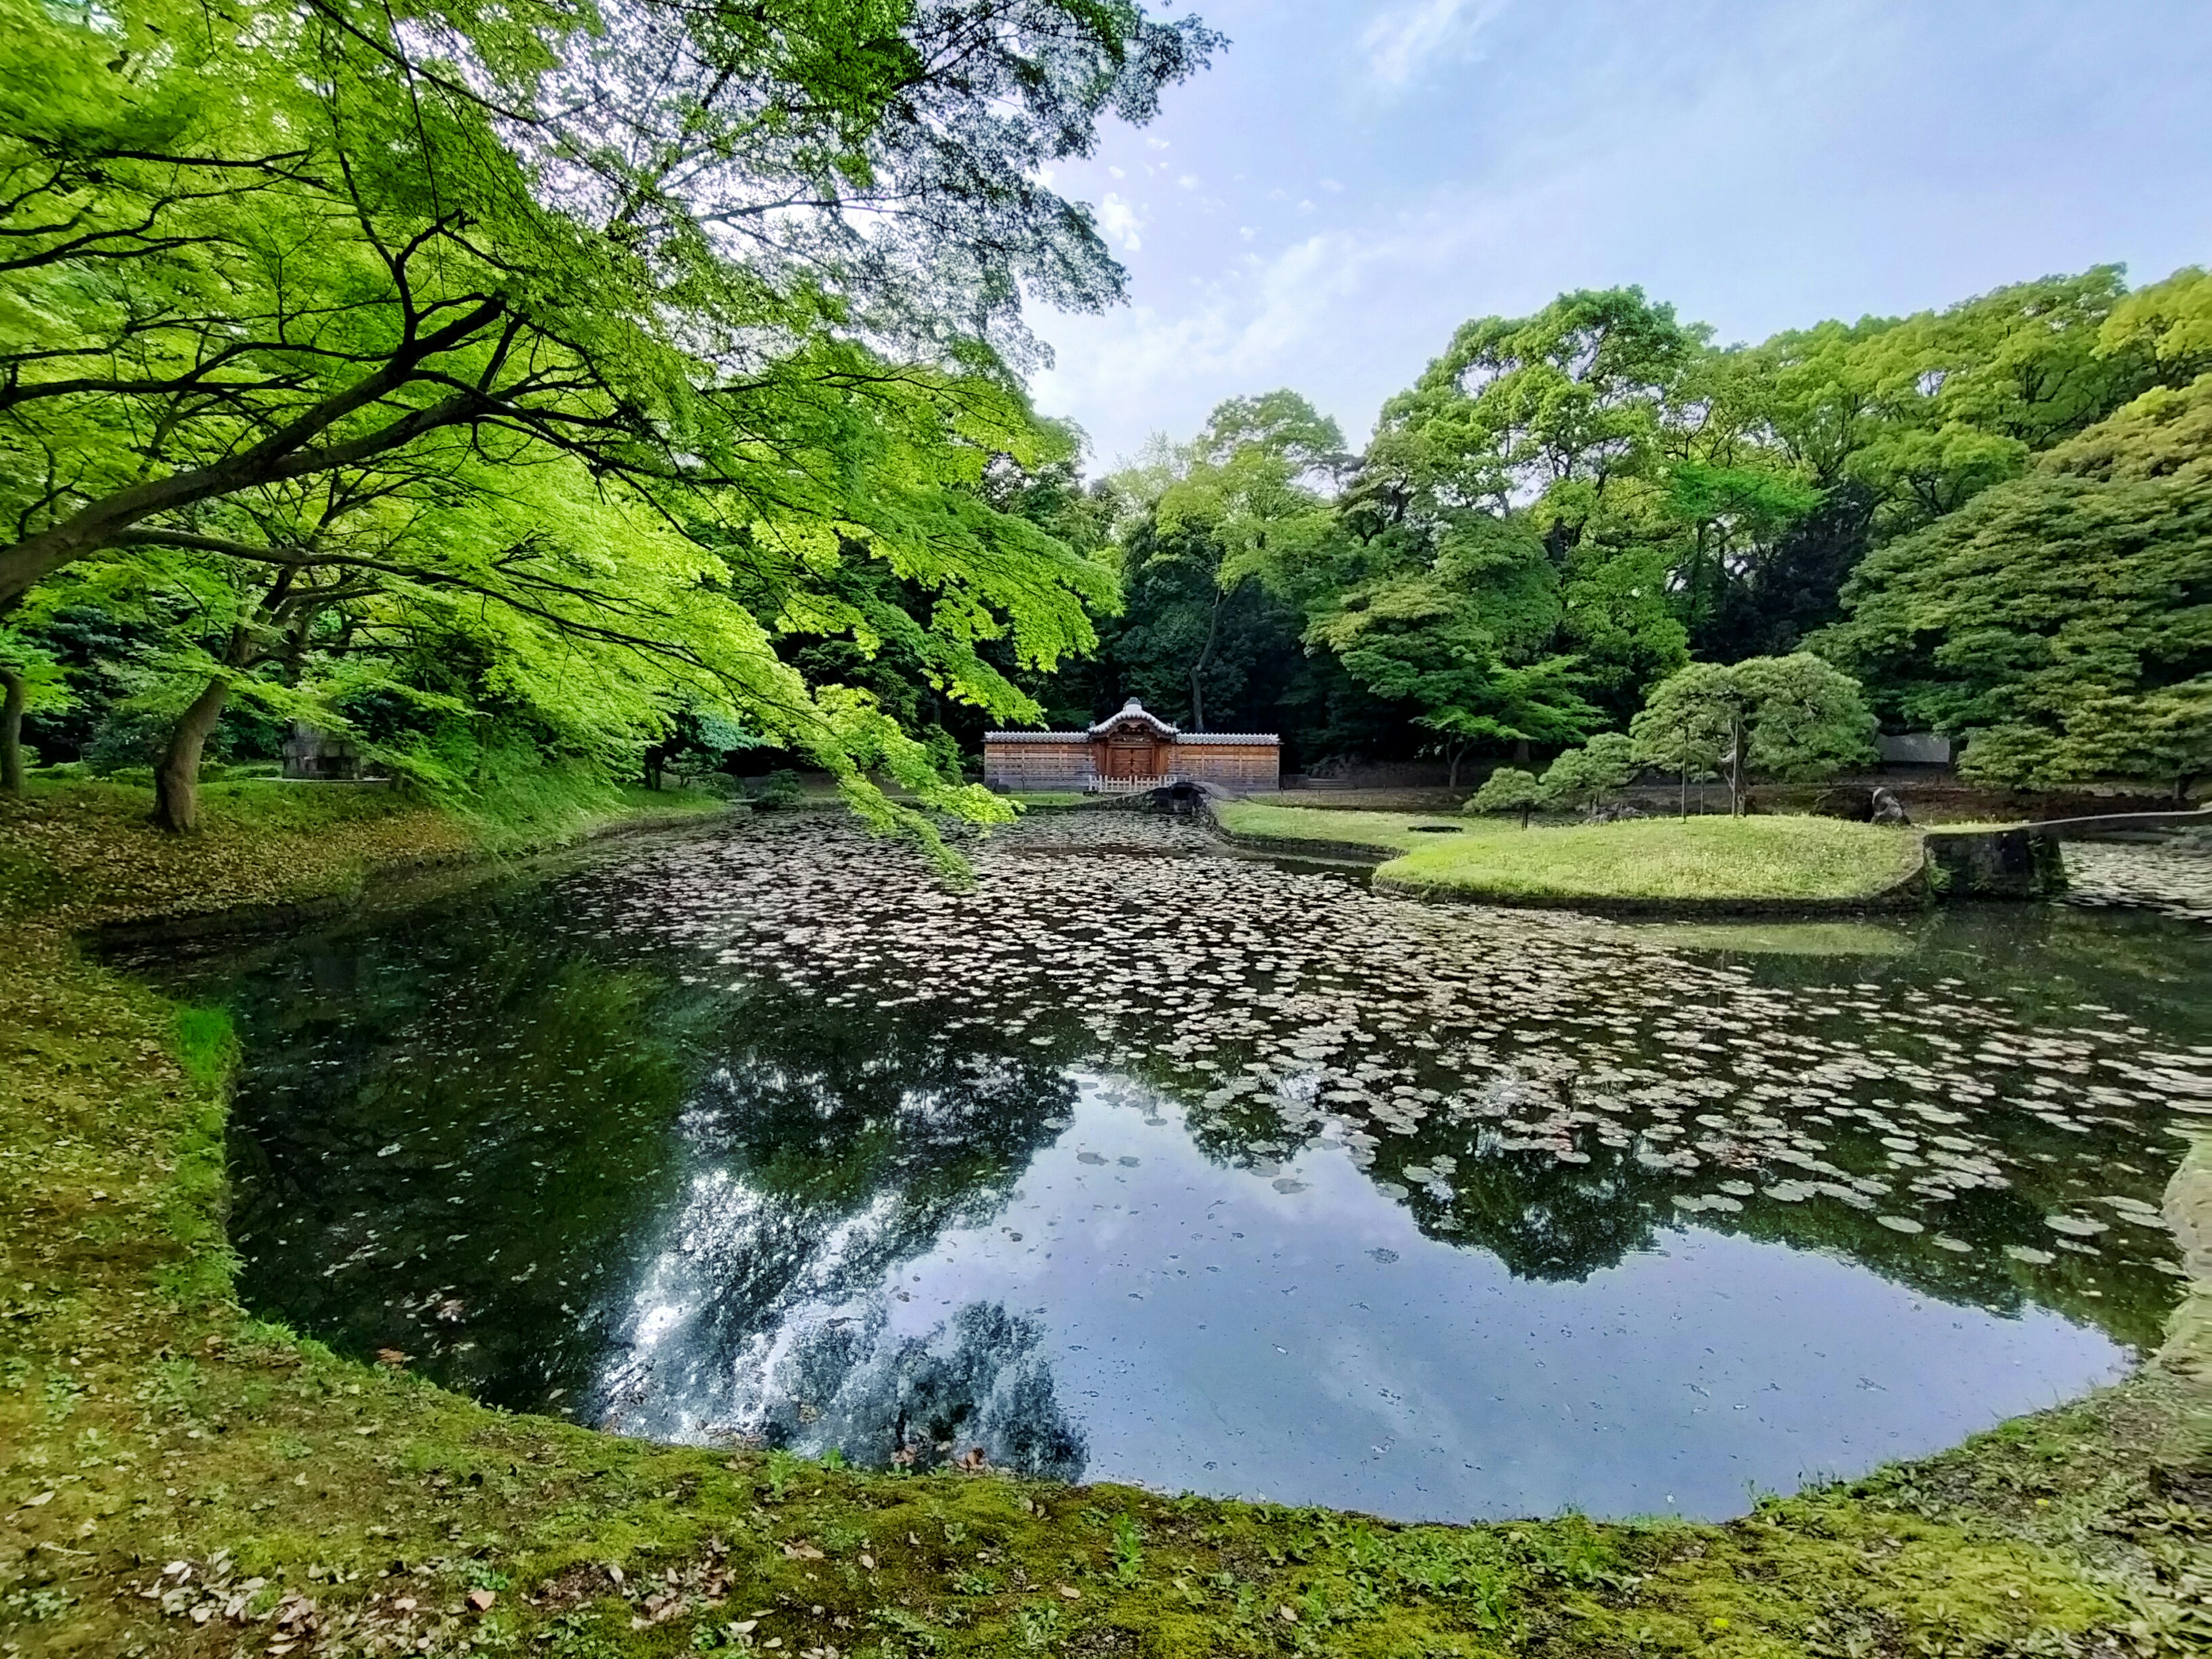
point(1206, 637)
point(2061, 621)
point(1558, 418)
point(1460, 636)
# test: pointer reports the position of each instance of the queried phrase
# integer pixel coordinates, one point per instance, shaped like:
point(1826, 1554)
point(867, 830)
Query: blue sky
point(1349, 182)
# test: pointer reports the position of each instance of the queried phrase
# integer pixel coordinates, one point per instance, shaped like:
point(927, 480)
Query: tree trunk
point(1455, 751)
point(1198, 668)
point(176, 779)
point(291, 451)
point(1736, 766)
point(1520, 753)
point(11, 731)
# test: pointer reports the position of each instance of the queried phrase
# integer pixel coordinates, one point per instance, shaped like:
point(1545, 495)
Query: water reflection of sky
point(1205, 1331)
point(739, 1141)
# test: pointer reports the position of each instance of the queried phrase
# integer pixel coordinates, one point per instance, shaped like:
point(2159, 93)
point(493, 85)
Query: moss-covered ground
point(176, 1477)
point(1700, 860)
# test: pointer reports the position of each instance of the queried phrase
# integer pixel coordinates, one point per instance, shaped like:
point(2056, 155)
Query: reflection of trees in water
point(468, 1128)
point(980, 1380)
point(832, 1146)
point(1548, 1220)
point(1545, 1219)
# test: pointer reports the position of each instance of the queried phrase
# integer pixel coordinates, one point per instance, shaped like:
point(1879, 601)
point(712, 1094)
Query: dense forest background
point(1995, 516)
point(651, 398)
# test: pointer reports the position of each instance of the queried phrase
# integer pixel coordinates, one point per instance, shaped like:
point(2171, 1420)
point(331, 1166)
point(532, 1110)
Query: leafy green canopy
point(513, 285)
point(1696, 498)
point(2062, 622)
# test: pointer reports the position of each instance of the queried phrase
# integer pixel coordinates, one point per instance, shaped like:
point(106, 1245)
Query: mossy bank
point(177, 1477)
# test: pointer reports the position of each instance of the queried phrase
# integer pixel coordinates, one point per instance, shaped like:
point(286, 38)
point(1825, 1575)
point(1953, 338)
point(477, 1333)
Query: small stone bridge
point(2023, 860)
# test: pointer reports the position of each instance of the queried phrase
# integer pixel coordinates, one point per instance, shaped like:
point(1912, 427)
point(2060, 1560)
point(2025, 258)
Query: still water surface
point(1143, 1161)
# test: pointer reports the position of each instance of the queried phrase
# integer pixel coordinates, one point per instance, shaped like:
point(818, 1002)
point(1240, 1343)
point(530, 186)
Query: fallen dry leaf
point(480, 1600)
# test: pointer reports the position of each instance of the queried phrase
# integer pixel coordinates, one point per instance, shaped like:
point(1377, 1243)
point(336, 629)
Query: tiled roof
point(1084, 736)
point(1133, 712)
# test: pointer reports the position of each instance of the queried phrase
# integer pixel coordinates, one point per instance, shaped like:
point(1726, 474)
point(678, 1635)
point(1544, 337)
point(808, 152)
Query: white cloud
point(1333, 314)
point(1188, 181)
point(1119, 220)
point(1409, 38)
point(1599, 142)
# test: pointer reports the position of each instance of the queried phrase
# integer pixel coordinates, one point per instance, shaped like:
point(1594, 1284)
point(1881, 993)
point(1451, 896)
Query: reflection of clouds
point(1397, 1395)
point(666, 1379)
point(979, 1379)
point(822, 1161)
point(823, 1365)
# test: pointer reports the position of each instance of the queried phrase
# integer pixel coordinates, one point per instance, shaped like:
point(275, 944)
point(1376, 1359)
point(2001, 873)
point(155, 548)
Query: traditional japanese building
point(1128, 751)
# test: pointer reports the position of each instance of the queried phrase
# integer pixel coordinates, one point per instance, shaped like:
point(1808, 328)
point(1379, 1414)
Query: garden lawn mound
point(1326, 832)
point(1665, 862)
point(77, 854)
point(1659, 864)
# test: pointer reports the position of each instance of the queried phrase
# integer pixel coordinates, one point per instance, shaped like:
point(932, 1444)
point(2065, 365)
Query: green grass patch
point(207, 1044)
point(1382, 832)
point(1765, 859)
point(523, 810)
point(1760, 859)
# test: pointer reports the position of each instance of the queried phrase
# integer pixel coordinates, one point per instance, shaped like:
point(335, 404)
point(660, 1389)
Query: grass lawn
point(1700, 860)
point(1385, 832)
point(177, 1477)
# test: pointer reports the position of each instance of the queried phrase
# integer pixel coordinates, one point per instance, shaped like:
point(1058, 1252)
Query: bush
point(781, 787)
point(1509, 789)
point(135, 738)
point(1583, 777)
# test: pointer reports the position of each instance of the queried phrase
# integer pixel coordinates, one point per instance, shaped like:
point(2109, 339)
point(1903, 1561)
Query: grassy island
point(1695, 862)
point(178, 1477)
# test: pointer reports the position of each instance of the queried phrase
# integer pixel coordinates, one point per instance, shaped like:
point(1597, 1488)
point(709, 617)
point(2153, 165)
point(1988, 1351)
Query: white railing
point(1128, 785)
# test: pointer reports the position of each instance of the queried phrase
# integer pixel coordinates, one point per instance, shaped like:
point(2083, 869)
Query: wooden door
point(1129, 758)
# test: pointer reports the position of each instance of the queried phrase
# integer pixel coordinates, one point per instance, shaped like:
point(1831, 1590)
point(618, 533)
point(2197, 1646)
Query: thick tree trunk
point(176, 779)
point(1520, 753)
point(12, 699)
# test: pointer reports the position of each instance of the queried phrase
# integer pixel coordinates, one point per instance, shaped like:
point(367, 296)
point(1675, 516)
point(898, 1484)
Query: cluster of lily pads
point(1442, 1046)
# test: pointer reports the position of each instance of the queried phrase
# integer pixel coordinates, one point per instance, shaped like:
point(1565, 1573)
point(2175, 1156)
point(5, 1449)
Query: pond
point(1141, 1161)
